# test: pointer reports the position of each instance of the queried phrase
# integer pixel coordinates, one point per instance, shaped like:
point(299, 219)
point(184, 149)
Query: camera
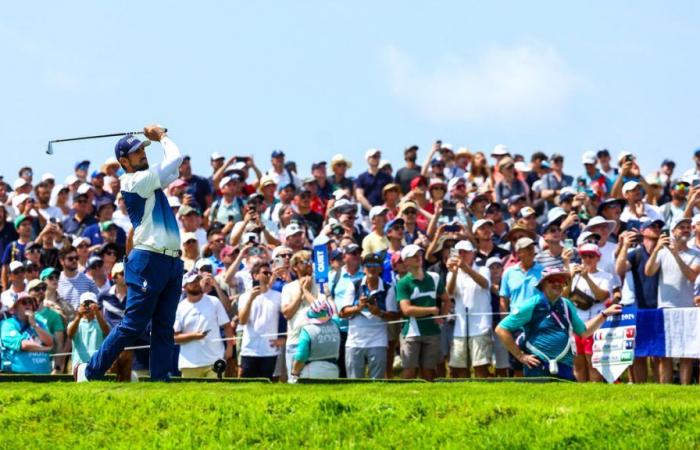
point(337, 230)
point(629, 158)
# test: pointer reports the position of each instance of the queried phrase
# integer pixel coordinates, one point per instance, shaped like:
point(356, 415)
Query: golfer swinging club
point(153, 269)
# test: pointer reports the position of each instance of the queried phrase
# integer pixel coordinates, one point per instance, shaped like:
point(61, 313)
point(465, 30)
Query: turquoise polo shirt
point(518, 285)
point(549, 334)
point(13, 332)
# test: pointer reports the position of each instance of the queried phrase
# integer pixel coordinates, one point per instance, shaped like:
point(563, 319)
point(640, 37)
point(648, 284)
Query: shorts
point(420, 352)
point(584, 346)
point(501, 355)
point(447, 331)
point(394, 331)
point(480, 350)
point(198, 372)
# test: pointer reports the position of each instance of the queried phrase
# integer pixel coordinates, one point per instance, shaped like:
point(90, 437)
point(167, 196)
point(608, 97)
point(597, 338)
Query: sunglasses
point(370, 265)
point(438, 188)
point(34, 250)
point(97, 265)
point(52, 277)
point(71, 258)
point(553, 230)
point(267, 273)
point(111, 253)
point(39, 289)
point(409, 211)
point(588, 255)
point(84, 246)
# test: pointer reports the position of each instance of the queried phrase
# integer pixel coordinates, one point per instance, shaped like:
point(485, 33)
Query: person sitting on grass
point(87, 330)
point(25, 342)
point(319, 344)
point(548, 321)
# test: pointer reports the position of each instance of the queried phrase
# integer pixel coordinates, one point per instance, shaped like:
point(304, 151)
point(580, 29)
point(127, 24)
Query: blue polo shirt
point(344, 281)
point(518, 285)
point(549, 334)
point(646, 288)
point(12, 333)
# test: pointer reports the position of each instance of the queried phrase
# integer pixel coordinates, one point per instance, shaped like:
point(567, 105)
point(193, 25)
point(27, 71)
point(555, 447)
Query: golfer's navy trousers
point(154, 285)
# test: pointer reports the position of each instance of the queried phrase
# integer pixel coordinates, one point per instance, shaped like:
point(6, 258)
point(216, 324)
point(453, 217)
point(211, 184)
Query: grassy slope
point(101, 415)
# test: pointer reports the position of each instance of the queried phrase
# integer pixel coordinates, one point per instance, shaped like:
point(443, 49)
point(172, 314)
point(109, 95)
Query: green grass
point(469, 415)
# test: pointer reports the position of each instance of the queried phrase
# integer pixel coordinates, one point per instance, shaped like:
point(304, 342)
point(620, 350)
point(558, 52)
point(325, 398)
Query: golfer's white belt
point(162, 251)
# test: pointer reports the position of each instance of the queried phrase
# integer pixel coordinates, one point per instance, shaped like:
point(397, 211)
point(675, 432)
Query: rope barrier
point(274, 335)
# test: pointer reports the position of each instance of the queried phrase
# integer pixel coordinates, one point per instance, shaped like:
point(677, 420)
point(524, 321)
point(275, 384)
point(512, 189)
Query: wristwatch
point(602, 313)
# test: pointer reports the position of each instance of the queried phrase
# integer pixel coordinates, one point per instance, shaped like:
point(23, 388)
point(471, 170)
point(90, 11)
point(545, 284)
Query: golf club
point(49, 149)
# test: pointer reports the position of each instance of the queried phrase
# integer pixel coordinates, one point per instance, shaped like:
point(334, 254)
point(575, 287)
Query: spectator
point(548, 320)
point(191, 222)
point(43, 207)
point(324, 189)
point(371, 182)
point(420, 296)
point(555, 255)
point(25, 342)
point(509, 184)
point(82, 247)
point(319, 344)
point(676, 208)
point(101, 196)
point(368, 303)
point(590, 288)
point(96, 272)
point(592, 178)
point(14, 251)
point(280, 174)
point(87, 330)
point(73, 284)
point(376, 241)
point(606, 168)
point(296, 297)
point(468, 284)
point(314, 220)
point(678, 267)
point(95, 232)
point(17, 286)
point(198, 189)
point(555, 181)
point(479, 173)
point(339, 180)
point(197, 322)
point(520, 281)
point(80, 217)
point(230, 207)
point(51, 298)
point(258, 311)
point(411, 170)
point(51, 321)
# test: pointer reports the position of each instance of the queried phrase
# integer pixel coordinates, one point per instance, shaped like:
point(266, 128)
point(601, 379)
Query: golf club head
point(49, 149)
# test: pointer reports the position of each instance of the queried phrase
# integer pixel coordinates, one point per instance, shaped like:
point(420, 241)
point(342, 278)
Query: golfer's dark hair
point(67, 250)
point(257, 266)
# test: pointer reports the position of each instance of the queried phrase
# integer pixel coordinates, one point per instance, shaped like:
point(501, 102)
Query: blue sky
point(316, 78)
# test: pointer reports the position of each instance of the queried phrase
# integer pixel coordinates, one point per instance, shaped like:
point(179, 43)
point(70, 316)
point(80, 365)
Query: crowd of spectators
point(412, 250)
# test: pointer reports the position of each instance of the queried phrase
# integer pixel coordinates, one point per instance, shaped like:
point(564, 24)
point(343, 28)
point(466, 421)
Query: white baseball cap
point(292, 229)
point(628, 186)
point(88, 297)
point(216, 155)
point(493, 260)
point(70, 179)
point(480, 223)
point(377, 211)
point(465, 245)
point(84, 189)
point(19, 182)
point(410, 251)
point(79, 240)
point(48, 176)
point(14, 265)
point(500, 150)
point(523, 242)
point(589, 157)
point(371, 152)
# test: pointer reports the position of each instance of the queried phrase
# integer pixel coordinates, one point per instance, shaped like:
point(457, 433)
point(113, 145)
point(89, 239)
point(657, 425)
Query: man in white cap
point(468, 284)
point(197, 322)
point(16, 285)
point(593, 178)
point(421, 296)
point(376, 241)
point(371, 183)
point(229, 208)
point(482, 230)
point(88, 330)
point(678, 268)
point(636, 209)
point(294, 237)
point(602, 227)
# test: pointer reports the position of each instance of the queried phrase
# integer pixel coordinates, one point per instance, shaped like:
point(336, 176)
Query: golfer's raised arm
point(167, 170)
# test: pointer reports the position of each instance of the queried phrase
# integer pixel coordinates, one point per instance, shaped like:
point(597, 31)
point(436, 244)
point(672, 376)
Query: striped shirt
point(70, 289)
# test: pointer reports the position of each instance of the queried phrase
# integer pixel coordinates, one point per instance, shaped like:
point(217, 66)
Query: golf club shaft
point(95, 137)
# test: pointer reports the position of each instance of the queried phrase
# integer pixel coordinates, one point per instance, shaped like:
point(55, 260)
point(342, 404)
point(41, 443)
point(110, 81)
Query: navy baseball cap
point(129, 144)
point(84, 164)
point(277, 153)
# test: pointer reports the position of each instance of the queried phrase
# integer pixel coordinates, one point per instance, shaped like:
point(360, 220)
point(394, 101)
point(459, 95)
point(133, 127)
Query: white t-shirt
point(365, 330)
point(470, 295)
point(603, 280)
point(206, 314)
point(289, 293)
point(607, 262)
point(675, 290)
point(262, 325)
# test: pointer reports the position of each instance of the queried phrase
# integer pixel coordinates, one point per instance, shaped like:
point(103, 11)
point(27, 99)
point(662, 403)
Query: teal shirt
point(518, 285)
point(542, 330)
point(14, 359)
point(304, 344)
point(344, 281)
point(86, 341)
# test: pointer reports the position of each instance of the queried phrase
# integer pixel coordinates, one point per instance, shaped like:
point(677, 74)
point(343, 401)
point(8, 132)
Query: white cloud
point(524, 82)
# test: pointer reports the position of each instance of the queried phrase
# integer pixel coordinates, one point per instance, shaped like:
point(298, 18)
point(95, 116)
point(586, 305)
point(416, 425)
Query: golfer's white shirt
point(154, 223)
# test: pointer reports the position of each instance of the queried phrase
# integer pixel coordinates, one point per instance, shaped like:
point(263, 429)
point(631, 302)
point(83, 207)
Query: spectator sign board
point(613, 344)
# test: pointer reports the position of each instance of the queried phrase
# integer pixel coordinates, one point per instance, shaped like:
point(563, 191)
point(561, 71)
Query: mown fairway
point(189, 415)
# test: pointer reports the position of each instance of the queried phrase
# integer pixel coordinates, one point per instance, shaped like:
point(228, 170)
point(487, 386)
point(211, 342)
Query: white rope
point(274, 335)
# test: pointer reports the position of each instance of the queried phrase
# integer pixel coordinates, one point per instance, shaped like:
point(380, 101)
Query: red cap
point(418, 180)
